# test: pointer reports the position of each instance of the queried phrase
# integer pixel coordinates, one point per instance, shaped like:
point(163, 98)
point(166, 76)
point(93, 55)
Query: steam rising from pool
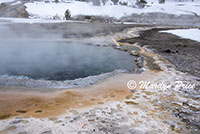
point(47, 61)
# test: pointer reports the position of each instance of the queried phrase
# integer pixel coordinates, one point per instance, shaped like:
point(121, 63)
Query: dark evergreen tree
point(161, 1)
point(115, 2)
point(67, 14)
point(141, 3)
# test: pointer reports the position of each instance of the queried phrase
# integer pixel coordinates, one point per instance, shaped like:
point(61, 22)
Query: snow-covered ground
point(193, 34)
point(50, 10)
point(17, 2)
point(57, 10)
point(4, 1)
point(32, 21)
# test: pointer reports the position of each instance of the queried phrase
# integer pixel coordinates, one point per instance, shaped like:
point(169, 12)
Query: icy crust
point(24, 81)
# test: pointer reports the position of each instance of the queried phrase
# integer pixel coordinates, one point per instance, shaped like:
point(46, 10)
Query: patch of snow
point(32, 21)
point(16, 3)
point(193, 34)
point(5, 1)
point(56, 10)
point(49, 10)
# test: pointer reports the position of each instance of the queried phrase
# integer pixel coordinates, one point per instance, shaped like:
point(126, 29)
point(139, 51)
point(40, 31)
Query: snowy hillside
point(51, 9)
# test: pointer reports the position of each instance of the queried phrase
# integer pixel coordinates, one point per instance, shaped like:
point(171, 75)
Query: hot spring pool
point(60, 61)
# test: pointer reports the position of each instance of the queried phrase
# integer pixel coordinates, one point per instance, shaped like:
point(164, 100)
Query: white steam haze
point(59, 61)
point(40, 56)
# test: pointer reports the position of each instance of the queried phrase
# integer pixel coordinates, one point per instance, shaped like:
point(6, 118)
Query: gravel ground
point(183, 54)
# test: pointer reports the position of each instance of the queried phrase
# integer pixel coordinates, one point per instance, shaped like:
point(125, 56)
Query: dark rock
point(38, 111)
point(21, 111)
point(4, 116)
point(167, 51)
point(47, 132)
